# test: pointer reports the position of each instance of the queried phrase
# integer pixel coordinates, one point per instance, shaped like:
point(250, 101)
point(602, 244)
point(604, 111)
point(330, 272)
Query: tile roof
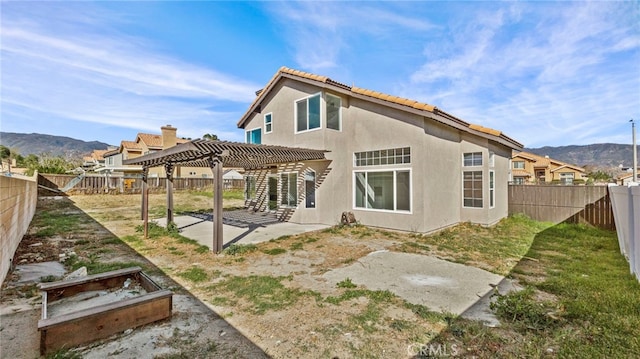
point(151, 140)
point(520, 173)
point(374, 95)
point(131, 145)
point(98, 154)
point(540, 161)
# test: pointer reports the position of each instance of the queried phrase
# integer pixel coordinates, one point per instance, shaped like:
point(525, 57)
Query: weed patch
point(263, 292)
point(274, 251)
point(194, 274)
point(346, 283)
point(237, 249)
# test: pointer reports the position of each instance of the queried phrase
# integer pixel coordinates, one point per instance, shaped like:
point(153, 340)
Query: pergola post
point(216, 168)
point(145, 201)
point(168, 167)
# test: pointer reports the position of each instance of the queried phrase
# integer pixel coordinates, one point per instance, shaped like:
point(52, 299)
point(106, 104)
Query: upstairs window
point(308, 113)
point(473, 159)
point(254, 136)
point(268, 124)
point(334, 118)
point(518, 165)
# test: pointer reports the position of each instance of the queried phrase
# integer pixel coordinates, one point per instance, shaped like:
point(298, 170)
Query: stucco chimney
point(169, 138)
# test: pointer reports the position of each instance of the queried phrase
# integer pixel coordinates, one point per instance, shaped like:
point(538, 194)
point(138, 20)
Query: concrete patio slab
point(438, 284)
point(201, 230)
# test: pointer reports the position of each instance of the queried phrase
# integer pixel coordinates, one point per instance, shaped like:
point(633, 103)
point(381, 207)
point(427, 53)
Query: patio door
point(273, 192)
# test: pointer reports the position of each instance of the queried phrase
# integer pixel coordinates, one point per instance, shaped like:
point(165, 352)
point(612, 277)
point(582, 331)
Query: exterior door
point(273, 192)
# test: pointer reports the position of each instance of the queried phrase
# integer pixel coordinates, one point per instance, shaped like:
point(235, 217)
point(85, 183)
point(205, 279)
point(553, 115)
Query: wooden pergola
point(215, 155)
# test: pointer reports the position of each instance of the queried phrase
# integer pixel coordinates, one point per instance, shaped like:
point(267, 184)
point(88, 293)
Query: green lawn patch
point(580, 301)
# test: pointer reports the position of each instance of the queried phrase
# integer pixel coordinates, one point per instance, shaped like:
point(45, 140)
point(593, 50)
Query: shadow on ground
point(60, 230)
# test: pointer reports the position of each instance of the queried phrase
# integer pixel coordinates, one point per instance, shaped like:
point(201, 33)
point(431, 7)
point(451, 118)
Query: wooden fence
point(572, 204)
point(91, 184)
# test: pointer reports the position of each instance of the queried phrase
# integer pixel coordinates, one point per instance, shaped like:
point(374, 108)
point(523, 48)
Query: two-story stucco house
point(529, 168)
point(392, 162)
point(146, 143)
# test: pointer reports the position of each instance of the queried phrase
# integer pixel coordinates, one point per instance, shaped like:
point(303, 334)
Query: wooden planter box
point(86, 325)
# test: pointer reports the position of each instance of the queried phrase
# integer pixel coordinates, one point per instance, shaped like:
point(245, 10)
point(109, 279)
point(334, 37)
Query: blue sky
point(544, 73)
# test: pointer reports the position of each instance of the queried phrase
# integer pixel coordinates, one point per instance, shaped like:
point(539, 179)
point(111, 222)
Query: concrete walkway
point(201, 230)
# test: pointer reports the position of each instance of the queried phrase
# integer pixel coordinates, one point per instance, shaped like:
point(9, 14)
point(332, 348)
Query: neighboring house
point(95, 159)
point(392, 162)
point(528, 168)
point(146, 143)
point(626, 178)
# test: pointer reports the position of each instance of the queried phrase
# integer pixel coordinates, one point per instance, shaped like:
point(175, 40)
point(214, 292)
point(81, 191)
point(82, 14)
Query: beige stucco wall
point(436, 161)
point(18, 199)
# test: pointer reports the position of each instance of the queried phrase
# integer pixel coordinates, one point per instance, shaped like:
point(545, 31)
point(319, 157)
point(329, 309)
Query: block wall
point(18, 199)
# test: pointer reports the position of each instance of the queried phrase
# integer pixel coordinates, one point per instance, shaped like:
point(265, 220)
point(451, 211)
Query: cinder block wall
point(18, 199)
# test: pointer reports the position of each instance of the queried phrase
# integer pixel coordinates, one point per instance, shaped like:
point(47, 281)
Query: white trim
point(280, 205)
point(481, 158)
point(295, 113)
point(326, 94)
point(492, 195)
point(462, 185)
point(315, 190)
point(265, 122)
point(395, 204)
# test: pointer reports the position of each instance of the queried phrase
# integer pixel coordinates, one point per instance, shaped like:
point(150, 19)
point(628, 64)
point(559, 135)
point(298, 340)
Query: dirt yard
point(254, 300)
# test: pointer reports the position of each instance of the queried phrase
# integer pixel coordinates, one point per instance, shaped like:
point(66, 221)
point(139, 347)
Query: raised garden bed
point(82, 310)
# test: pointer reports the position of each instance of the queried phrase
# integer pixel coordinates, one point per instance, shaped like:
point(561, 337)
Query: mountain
point(37, 144)
point(599, 155)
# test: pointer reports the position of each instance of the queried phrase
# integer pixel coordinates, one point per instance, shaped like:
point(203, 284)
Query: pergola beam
point(215, 155)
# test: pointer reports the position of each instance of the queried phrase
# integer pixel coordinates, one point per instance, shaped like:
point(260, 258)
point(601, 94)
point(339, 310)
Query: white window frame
point(280, 205)
point(518, 163)
point(248, 181)
point(395, 189)
point(564, 176)
point(492, 189)
point(378, 158)
point(473, 158)
point(315, 189)
point(295, 113)
point(482, 185)
point(251, 130)
point(327, 95)
point(270, 123)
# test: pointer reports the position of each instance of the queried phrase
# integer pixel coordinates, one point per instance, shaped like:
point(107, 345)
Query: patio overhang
point(215, 155)
point(197, 153)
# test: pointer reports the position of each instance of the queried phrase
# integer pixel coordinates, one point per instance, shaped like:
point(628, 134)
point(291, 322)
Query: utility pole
point(635, 152)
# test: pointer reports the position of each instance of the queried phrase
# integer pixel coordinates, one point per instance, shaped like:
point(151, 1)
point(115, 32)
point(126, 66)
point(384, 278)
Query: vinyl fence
point(91, 184)
point(626, 210)
point(557, 204)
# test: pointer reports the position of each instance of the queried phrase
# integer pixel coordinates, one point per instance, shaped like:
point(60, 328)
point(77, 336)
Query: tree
point(210, 136)
point(600, 176)
point(5, 155)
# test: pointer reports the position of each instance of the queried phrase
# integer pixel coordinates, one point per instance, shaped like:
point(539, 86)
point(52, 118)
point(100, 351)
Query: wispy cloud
point(553, 66)
point(76, 72)
point(321, 32)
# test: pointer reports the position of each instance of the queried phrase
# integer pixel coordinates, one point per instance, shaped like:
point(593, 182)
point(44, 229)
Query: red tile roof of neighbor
point(545, 162)
point(406, 104)
point(131, 145)
point(520, 173)
point(151, 140)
